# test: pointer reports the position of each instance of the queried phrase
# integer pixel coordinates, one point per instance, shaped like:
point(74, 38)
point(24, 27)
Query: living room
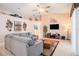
point(47, 22)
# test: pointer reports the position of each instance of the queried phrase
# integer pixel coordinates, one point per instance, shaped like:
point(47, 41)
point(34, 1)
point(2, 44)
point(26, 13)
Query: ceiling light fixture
point(41, 10)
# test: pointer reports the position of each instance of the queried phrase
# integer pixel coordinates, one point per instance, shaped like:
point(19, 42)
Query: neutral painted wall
point(4, 31)
point(61, 19)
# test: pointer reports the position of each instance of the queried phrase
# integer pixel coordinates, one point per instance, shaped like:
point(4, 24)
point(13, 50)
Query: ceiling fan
point(41, 8)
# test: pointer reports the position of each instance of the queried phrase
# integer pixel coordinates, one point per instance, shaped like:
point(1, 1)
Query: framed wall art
point(24, 26)
point(17, 26)
point(9, 25)
point(35, 27)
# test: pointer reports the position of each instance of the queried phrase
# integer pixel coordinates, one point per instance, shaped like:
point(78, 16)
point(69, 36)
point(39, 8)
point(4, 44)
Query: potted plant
point(45, 30)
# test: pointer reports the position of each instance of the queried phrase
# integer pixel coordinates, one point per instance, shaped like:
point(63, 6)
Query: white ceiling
point(26, 9)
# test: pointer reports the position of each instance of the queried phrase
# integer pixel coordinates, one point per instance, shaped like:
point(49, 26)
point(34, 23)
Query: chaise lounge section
point(23, 44)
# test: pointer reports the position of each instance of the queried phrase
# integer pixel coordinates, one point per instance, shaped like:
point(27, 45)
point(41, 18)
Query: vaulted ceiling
point(26, 9)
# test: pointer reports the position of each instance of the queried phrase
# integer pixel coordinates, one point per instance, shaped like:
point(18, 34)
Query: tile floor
point(63, 49)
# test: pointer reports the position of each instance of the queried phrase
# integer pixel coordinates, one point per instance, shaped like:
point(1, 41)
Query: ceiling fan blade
point(34, 10)
point(38, 5)
point(46, 11)
point(47, 6)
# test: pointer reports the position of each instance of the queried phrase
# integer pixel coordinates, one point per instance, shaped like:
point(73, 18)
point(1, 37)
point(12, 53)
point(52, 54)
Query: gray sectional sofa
point(23, 44)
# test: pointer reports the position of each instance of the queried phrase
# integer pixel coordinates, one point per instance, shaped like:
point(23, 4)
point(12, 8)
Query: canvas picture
point(35, 27)
point(17, 26)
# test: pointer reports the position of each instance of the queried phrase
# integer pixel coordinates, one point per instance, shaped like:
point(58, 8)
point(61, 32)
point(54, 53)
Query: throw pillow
point(34, 37)
point(31, 42)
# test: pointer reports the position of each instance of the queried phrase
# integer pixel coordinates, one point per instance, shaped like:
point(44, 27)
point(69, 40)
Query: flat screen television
point(54, 26)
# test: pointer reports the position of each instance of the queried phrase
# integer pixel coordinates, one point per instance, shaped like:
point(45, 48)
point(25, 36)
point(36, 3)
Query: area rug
point(49, 52)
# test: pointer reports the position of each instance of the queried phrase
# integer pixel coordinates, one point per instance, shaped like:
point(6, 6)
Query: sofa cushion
point(26, 40)
point(25, 34)
point(24, 37)
point(34, 37)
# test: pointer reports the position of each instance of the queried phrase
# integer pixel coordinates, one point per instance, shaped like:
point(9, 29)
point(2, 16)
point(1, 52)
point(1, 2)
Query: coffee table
point(49, 46)
point(48, 42)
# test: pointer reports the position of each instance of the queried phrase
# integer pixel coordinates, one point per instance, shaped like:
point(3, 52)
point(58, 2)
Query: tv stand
point(55, 36)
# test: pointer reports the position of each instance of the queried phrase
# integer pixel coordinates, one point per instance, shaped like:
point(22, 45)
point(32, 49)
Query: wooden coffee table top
point(50, 39)
point(48, 43)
